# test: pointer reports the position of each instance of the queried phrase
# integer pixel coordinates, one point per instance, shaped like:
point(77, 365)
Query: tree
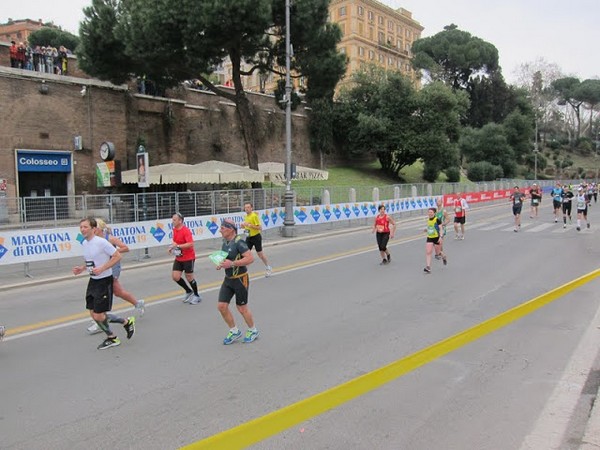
point(489, 144)
point(566, 88)
point(454, 57)
point(53, 37)
point(589, 93)
point(437, 124)
point(383, 115)
point(169, 41)
point(519, 129)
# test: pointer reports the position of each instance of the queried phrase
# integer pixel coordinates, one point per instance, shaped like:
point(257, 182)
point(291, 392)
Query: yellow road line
point(277, 421)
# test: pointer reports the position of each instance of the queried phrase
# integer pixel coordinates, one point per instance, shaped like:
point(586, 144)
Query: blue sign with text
point(39, 161)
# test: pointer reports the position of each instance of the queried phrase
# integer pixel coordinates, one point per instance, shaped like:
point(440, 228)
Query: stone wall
point(190, 127)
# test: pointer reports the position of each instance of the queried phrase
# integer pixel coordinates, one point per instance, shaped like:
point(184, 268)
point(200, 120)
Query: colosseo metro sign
point(43, 161)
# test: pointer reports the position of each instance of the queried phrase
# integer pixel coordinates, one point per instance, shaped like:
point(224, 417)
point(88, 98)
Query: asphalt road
point(329, 314)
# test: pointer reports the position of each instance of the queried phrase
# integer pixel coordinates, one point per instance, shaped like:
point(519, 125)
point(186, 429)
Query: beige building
point(374, 33)
point(19, 30)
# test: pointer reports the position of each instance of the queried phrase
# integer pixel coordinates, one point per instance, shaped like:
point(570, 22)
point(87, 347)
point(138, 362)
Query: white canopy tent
point(276, 172)
point(207, 172)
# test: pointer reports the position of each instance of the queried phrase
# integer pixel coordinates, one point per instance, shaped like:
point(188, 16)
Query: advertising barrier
point(24, 246)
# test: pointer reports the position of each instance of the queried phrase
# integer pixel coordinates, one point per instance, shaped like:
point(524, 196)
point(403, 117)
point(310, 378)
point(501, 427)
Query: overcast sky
point(564, 33)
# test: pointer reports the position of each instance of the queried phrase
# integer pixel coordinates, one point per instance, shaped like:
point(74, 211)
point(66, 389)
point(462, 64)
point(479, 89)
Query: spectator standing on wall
point(64, 61)
point(37, 51)
point(21, 59)
point(14, 62)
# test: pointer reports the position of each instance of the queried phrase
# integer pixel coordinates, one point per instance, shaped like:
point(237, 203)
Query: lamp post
point(288, 223)
point(535, 151)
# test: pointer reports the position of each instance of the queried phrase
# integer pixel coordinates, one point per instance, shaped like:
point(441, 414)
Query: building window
point(407, 34)
point(407, 67)
point(371, 54)
point(361, 52)
point(399, 44)
point(390, 26)
point(381, 58)
point(342, 11)
point(390, 61)
point(370, 15)
point(407, 47)
point(343, 50)
point(380, 20)
point(361, 11)
point(399, 30)
point(399, 64)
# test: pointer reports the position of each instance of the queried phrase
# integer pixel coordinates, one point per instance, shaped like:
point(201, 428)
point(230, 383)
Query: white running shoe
point(140, 307)
point(2, 331)
point(269, 271)
point(94, 328)
point(187, 297)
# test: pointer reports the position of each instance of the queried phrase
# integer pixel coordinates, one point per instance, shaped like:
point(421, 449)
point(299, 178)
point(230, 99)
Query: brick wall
point(191, 127)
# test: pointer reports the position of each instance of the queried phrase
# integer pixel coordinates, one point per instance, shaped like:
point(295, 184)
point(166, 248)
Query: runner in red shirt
point(460, 215)
point(385, 227)
point(185, 257)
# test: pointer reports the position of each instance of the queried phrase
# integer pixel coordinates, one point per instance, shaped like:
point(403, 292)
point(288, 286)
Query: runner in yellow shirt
point(252, 226)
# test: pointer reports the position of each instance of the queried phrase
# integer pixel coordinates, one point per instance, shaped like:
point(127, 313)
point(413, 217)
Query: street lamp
point(288, 223)
point(535, 151)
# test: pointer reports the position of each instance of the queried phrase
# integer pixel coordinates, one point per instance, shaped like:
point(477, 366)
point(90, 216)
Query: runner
point(104, 231)
point(252, 226)
point(582, 204)
point(536, 199)
point(100, 256)
point(442, 214)
point(385, 227)
point(460, 215)
point(517, 198)
point(556, 194)
point(433, 239)
point(567, 197)
point(236, 283)
point(185, 257)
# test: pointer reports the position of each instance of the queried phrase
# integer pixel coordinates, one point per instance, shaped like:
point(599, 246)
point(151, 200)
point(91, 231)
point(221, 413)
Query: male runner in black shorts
point(100, 256)
point(236, 283)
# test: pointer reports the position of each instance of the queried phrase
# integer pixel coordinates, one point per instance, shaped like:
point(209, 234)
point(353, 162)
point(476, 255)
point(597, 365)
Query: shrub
point(453, 174)
point(484, 171)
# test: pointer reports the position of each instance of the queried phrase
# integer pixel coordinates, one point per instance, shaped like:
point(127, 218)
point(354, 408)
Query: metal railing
point(42, 212)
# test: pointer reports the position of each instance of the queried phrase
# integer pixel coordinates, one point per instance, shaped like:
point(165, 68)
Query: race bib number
point(89, 266)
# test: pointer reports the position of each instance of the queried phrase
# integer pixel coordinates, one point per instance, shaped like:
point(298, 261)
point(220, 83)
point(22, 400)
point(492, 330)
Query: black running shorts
point(99, 294)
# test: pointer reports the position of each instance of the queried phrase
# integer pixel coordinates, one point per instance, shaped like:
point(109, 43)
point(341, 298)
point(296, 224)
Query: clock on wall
point(107, 151)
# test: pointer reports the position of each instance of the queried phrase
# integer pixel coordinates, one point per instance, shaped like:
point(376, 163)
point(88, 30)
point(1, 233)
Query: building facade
point(374, 33)
point(19, 30)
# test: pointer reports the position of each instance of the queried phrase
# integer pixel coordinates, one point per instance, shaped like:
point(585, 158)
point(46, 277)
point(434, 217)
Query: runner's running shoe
point(140, 307)
point(2, 331)
point(232, 337)
point(109, 342)
point(93, 328)
point(188, 296)
point(268, 271)
point(251, 336)
point(195, 300)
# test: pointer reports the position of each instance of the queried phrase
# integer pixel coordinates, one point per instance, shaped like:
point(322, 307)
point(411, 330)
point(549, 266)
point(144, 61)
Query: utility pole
point(288, 223)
